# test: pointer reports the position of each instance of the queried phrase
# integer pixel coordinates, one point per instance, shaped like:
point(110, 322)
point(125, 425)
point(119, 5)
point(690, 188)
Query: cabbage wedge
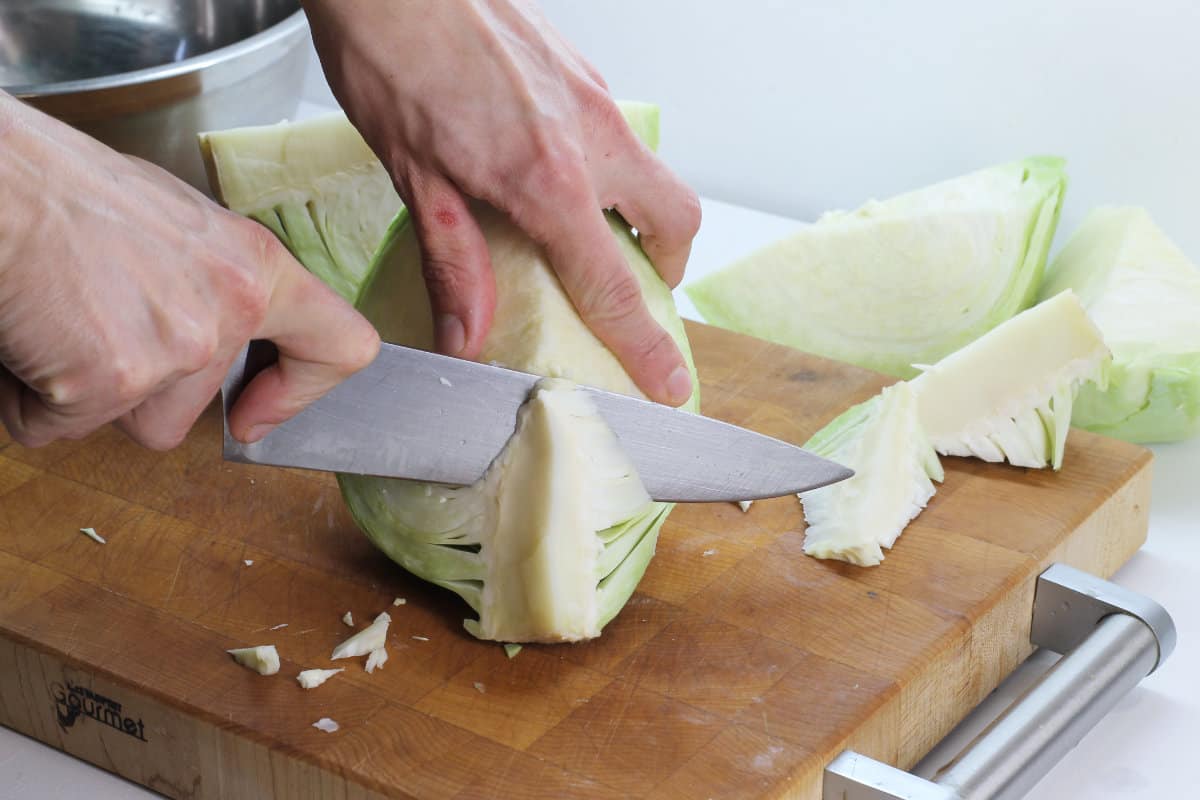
point(1005, 397)
point(900, 282)
point(894, 469)
point(1008, 395)
point(1144, 295)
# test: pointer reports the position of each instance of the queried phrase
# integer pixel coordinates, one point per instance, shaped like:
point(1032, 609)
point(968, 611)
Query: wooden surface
point(739, 669)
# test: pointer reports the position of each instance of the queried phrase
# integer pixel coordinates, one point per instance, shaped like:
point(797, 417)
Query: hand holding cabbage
point(484, 100)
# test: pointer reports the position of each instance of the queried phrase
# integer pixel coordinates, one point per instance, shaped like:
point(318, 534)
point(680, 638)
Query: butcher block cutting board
point(739, 669)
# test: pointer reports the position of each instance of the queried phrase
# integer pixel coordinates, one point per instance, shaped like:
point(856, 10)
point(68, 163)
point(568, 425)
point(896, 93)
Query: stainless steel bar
point(853, 776)
point(1020, 747)
point(1111, 637)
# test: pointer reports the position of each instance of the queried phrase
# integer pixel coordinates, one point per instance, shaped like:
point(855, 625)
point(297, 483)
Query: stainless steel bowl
point(145, 76)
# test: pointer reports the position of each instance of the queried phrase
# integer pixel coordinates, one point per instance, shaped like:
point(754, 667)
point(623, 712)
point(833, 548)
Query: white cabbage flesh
point(1007, 396)
point(894, 469)
point(900, 282)
point(372, 637)
point(263, 659)
point(1144, 295)
point(543, 507)
point(376, 659)
point(312, 678)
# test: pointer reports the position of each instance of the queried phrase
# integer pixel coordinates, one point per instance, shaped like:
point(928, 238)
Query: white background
point(795, 106)
point(798, 107)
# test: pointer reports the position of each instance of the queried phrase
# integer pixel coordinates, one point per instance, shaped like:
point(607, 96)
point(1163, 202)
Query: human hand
point(483, 99)
point(125, 295)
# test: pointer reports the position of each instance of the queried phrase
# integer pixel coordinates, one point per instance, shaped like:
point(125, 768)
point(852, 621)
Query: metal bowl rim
point(286, 27)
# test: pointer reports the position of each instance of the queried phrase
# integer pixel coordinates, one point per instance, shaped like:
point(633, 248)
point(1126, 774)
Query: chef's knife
point(419, 415)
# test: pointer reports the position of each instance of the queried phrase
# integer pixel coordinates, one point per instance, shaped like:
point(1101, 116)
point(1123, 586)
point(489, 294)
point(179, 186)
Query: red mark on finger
point(446, 217)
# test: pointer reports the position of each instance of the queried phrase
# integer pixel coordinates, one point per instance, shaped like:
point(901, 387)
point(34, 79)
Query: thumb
point(321, 341)
point(456, 265)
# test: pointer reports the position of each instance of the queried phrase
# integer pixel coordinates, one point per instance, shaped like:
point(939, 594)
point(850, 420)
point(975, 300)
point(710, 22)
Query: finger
point(12, 403)
point(665, 211)
point(321, 341)
point(581, 247)
point(35, 421)
point(456, 265)
point(163, 420)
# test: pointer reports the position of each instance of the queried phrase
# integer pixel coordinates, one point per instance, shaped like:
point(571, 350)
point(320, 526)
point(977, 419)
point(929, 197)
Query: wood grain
point(739, 669)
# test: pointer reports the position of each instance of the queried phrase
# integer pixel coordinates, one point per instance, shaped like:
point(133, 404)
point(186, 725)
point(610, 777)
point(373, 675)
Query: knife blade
point(419, 415)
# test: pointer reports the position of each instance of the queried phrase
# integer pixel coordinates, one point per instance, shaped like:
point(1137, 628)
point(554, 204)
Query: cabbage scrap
point(372, 637)
point(312, 678)
point(263, 659)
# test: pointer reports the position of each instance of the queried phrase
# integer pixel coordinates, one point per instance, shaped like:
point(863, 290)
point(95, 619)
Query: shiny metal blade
point(418, 415)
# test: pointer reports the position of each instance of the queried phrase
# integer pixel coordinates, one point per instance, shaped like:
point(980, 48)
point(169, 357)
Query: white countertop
point(1143, 750)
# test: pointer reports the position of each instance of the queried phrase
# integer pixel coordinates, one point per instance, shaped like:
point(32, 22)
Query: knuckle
point(657, 342)
point(361, 349)
point(147, 426)
point(598, 78)
point(129, 379)
point(160, 439)
point(556, 173)
point(444, 273)
point(691, 214)
point(194, 347)
point(65, 391)
point(168, 439)
point(248, 281)
point(614, 297)
point(447, 255)
point(595, 101)
point(247, 300)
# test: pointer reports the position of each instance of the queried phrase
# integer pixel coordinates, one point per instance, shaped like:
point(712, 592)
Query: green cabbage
point(447, 535)
point(551, 543)
point(900, 282)
point(1144, 294)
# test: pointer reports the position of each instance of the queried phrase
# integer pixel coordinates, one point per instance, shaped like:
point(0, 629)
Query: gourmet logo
point(72, 702)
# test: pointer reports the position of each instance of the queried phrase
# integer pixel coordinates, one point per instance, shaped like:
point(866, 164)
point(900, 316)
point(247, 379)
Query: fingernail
point(258, 432)
point(679, 385)
point(451, 338)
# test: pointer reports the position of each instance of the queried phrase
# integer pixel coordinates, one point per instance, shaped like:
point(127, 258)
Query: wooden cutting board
point(739, 669)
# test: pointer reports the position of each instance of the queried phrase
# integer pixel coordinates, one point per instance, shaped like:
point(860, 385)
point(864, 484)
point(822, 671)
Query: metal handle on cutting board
point(1111, 638)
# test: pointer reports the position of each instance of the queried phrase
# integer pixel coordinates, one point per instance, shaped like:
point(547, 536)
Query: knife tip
point(836, 475)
